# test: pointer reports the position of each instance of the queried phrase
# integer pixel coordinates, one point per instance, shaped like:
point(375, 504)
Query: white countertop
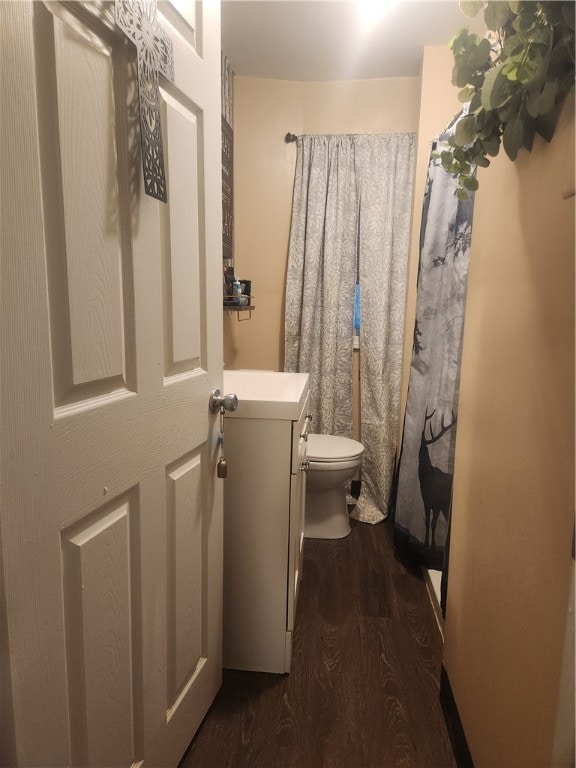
point(267, 394)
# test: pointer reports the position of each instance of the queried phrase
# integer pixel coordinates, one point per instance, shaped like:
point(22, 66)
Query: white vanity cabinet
point(264, 499)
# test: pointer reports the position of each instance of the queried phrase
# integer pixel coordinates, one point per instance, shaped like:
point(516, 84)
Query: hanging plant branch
point(514, 81)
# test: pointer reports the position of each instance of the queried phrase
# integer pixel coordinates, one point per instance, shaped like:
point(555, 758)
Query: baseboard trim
point(453, 723)
point(434, 600)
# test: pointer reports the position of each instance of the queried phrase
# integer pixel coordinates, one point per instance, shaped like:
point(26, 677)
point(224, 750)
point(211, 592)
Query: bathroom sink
point(267, 394)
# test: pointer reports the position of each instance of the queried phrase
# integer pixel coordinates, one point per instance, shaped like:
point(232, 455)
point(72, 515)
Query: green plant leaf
point(491, 145)
point(546, 98)
point(561, 64)
point(461, 75)
point(459, 154)
point(466, 94)
point(465, 131)
point(446, 158)
point(508, 111)
point(532, 103)
point(512, 137)
point(470, 182)
point(480, 55)
point(552, 12)
point(512, 45)
point(470, 8)
point(514, 80)
point(545, 125)
point(476, 102)
point(462, 40)
point(528, 132)
point(529, 71)
point(510, 69)
point(496, 14)
point(491, 126)
point(539, 35)
point(496, 91)
point(482, 118)
point(527, 17)
point(568, 15)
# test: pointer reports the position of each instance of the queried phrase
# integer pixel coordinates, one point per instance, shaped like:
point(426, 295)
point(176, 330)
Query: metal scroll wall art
point(137, 19)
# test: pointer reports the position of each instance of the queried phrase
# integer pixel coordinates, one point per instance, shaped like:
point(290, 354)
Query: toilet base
point(326, 514)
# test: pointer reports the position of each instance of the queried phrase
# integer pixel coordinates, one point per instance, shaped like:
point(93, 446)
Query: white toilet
point(333, 461)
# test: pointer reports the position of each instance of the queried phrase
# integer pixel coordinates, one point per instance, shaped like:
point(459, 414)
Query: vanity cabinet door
point(256, 543)
point(264, 497)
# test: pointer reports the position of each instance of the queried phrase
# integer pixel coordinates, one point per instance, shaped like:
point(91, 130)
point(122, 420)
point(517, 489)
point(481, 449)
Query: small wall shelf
point(238, 308)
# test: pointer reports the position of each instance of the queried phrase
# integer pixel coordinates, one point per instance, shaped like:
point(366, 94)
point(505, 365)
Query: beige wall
point(264, 111)
point(513, 505)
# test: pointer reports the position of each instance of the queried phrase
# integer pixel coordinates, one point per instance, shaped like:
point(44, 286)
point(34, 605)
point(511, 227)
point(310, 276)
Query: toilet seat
point(331, 448)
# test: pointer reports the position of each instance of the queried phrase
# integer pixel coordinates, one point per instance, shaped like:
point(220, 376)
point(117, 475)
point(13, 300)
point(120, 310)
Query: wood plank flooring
point(363, 690)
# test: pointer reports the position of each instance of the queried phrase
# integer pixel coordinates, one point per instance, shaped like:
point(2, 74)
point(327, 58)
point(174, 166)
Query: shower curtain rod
point(290, 137)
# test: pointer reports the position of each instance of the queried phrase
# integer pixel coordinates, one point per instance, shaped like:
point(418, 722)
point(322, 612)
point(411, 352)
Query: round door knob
point(218, 400)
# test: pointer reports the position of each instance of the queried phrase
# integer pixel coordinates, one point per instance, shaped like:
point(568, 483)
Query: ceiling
point(326, 40)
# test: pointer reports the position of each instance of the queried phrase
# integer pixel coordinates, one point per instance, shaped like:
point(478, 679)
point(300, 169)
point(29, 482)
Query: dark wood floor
point(363, 690)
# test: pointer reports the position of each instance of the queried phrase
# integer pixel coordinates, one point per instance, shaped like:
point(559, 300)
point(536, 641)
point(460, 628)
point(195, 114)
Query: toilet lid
point(333, 448)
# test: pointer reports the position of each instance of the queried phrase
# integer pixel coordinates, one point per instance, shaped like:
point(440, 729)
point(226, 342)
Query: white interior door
point(111, 519)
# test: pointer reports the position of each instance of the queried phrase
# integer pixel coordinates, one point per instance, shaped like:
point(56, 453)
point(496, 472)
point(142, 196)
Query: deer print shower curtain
point(423, 482)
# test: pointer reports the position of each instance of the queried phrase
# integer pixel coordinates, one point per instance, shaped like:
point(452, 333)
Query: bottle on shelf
point(237, 291)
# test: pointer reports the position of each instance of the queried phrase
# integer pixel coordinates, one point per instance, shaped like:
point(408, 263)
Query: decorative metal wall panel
point(137, 19)
point(227, 91)
point(227, 190)
point(227, 159)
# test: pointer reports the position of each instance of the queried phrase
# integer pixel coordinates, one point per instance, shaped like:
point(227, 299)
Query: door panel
point(111, 331)
point(84, 75)
point(87, 229)
point(184, 532)
point(97, 559)
point(181, 244)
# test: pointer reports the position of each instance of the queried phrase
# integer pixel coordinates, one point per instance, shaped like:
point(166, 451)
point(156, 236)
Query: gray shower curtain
point(350, 221)
point(423, 487)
